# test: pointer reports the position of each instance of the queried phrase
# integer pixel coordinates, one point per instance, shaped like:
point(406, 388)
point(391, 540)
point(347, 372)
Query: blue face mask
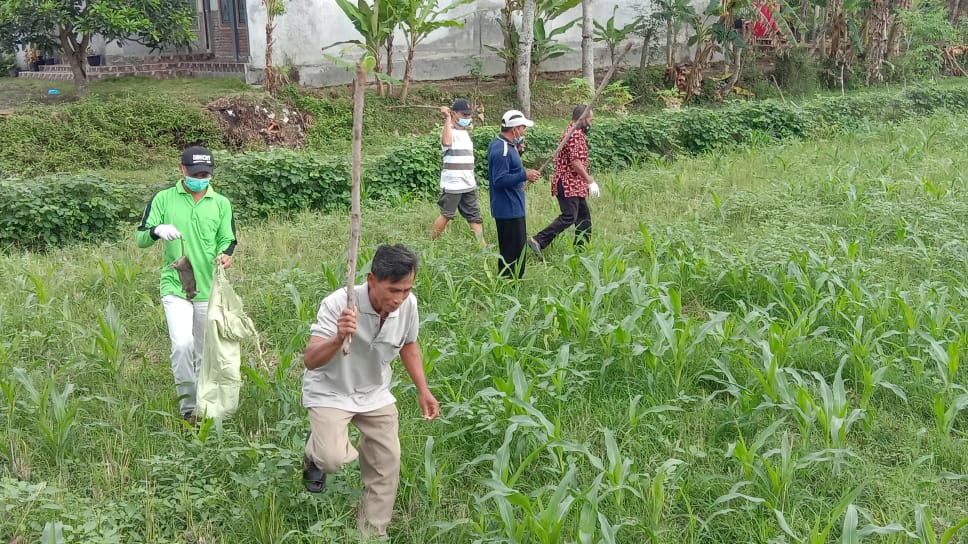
point(464, 122)
point(519, 139)
point(196, 185)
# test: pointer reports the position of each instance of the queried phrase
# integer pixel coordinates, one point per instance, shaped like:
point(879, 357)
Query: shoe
point(191, 419)
point(535, 248)
point(313, 477)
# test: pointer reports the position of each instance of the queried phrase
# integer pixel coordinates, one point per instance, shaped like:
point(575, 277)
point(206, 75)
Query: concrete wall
point(309, 25)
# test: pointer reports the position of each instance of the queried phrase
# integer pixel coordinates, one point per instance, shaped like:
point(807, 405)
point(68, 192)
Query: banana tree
point(376, 22)
point(673, 13)
point(709, 37)
point(273, 78)
point(613, 35)
point(418, 19)
point(545, 45)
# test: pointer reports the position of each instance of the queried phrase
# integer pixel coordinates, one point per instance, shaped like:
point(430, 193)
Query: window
point(225, 8)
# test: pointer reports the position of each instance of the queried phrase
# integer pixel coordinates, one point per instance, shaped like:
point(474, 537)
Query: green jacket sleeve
point(225, 238)
point(153, 216)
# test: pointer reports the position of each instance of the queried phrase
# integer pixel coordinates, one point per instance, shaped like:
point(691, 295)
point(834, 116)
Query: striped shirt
point(457, 175)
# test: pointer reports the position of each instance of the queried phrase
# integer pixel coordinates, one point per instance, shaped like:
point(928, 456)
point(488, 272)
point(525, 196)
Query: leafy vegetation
point(762, 344)
point(123, 132)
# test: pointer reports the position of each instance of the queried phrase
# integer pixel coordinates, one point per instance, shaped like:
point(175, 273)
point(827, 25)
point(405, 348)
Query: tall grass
point(747, 339)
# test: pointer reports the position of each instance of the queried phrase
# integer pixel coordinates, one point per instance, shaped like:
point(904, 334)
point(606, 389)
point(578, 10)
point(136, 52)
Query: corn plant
point(925, 528)
point(109, 341)
point(592, 522)
point(432, 477)
point(124, 272)
point(617, 470)
point(55, 412)
point(945, 411)
point(834, 413)
point(656, 493)
point(522, 517)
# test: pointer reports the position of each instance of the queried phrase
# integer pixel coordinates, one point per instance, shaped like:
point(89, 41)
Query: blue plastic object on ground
point(53, 91)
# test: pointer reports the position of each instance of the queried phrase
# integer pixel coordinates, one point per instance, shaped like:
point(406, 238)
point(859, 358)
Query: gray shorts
point(466, 203)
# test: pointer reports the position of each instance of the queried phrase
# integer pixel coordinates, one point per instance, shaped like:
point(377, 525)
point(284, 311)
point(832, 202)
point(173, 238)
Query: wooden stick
point(412, 106)
point(588, 108)
point(358, 98)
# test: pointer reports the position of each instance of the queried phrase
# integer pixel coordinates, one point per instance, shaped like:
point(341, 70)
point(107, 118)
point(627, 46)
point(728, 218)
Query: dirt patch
point(249, 123)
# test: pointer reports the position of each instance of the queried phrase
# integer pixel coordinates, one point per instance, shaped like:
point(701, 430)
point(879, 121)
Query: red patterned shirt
point(575, 149)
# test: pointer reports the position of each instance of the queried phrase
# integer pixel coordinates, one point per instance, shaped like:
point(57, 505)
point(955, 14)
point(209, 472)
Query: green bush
point(58, 210)
point(281, 182)
point(643, 83)
point(329, 117)
point(7, 63)
point(796, 71)
point(124, 133)
point(830, 72)
point(928, 98)
point(619, 143)
point(412, 169)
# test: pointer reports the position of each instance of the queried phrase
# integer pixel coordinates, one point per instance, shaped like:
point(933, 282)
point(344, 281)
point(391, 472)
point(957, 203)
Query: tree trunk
point(894, 36)
point(587, 45)
point(510, 64)
point(879, 22)
point(407, 70)
point(670, 45)
point(353, 252)
point(76, 55)
point(269, 72)
point(838, 29)
point(737, 69)
point(804, 13)
point(646, 46)
point(378, 69)
point(704, 51)
point(952, 6)
point(524, 55)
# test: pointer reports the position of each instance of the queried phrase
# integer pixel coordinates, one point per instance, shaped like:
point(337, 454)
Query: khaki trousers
point(379, 453)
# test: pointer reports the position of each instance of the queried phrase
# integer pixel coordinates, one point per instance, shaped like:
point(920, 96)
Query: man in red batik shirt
point(572, 184)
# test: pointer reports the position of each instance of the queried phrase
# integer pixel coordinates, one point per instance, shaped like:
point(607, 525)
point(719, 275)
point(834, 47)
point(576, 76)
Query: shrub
point(282, 181)
point(413, 169)
point(125, 133)
point(329, 117)
point(643, 83)
point(830, 72)
point(620, 143)
point(57, 210)
point(928, 98)
point(796, 71)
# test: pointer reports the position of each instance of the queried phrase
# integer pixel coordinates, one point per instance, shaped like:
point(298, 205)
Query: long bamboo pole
point(354, 248)
point(588, 109)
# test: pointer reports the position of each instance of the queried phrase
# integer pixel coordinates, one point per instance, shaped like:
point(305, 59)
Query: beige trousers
point(379, 453)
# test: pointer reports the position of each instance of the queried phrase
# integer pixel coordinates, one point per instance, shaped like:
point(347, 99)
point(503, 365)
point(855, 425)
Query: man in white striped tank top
point(458, 186)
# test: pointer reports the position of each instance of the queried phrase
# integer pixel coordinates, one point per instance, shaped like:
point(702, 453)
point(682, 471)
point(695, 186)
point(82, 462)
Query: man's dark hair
point(578, 112)
point(393, 263)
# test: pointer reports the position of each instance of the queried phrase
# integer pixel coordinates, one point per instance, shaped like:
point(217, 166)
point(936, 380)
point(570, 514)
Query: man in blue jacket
point(508, 178)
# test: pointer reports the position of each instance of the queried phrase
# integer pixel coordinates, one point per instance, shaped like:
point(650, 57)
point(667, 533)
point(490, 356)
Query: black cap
point(197, 159)
point(461, 106)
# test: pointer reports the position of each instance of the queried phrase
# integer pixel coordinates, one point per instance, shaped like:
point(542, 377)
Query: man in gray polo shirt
point(339, 389)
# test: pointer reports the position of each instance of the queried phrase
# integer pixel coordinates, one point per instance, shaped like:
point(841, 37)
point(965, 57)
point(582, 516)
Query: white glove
point(167, 232)
point(593, 189)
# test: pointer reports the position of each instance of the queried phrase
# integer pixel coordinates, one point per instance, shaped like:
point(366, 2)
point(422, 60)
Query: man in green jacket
point(189, 217)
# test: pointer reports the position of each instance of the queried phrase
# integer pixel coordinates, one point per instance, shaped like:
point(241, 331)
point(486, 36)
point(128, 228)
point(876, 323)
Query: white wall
point(309, 25)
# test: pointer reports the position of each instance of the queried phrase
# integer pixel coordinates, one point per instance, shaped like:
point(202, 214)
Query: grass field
point(760, 346)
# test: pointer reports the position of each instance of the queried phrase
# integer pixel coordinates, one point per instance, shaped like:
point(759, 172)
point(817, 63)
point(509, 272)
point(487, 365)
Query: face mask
point(464, 122)
point(196, 185)
point(586, 128)
point(519, 139)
